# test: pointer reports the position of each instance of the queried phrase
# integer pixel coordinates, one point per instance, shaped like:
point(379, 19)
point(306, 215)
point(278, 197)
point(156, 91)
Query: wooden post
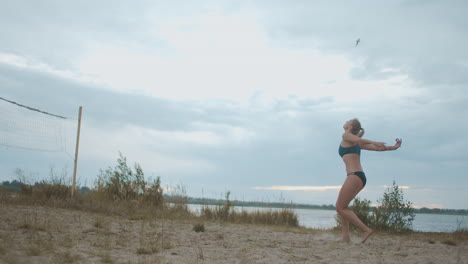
point(76, 152)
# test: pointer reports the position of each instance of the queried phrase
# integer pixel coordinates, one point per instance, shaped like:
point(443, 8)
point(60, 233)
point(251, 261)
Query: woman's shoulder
point(349, 139)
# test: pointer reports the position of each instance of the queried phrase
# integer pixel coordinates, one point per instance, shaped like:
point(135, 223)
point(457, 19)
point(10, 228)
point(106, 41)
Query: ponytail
point(357, 128)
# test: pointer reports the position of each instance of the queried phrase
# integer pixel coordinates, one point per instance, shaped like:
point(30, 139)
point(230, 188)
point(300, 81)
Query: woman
point(350, 150)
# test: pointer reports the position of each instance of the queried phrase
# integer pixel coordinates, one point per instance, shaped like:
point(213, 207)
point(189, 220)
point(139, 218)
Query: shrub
point(393, 214)
point(123, 183)
point(199, 227)
point(362, 209)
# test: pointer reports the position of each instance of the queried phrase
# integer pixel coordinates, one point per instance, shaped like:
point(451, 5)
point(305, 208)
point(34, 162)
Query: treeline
point(15, 186)
point(208, 201)
point(425, 210)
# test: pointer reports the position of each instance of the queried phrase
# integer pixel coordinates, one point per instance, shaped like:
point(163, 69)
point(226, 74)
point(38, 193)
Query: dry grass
point(66, 257)
point(91, 228)
point(120, 240)
point(275, 217)
point(107, 258)
point(451, 239)
point(149, 241)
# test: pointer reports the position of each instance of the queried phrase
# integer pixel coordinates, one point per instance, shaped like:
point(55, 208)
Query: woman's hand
point(398, 143)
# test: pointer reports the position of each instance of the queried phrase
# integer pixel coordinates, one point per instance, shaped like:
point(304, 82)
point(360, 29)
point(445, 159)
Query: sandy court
point(49, 235)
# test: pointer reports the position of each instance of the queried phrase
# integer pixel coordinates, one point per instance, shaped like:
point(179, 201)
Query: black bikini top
point(356, 149)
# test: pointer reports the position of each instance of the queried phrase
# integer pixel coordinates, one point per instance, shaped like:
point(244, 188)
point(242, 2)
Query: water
point(325, 219)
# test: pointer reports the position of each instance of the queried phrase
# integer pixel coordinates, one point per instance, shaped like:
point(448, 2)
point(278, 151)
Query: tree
point(393, 213)
point(122, 183)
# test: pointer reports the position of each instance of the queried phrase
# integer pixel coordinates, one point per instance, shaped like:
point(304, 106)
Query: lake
point(325, 219)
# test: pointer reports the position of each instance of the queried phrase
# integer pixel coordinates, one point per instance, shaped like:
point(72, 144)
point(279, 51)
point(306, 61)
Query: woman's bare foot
point(367, 235)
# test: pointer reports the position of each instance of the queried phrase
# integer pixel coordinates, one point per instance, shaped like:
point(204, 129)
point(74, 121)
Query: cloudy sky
point(241, 96)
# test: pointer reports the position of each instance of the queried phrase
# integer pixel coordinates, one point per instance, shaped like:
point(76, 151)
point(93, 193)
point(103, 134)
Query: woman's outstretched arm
point(362, 141)
point(374, 147)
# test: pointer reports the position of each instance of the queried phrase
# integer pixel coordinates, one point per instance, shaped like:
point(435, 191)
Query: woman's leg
point(351, 187)
point(344, 229)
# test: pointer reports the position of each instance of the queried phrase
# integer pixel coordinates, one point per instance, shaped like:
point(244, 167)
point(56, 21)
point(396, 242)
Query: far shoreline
point(279, 205)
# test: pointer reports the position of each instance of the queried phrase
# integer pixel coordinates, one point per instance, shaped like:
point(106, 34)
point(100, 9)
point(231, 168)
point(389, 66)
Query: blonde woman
point(350, 151)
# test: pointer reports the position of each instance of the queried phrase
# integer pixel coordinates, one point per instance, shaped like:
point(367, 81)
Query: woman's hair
point(356, 128)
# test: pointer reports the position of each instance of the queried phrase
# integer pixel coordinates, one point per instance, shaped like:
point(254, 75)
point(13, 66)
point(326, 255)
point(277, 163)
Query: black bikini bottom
point(361, 176)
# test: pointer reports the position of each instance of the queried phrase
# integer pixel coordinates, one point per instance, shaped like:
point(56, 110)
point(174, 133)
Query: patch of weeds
point(37, 246)
point(25, 225)
point(198, 250)
point(166, 244)
point(122, 236)
point(449, 242)
point(144, 251)
point(31, 222)
point(33, 250)
point(152, 245)
point(68, 241)
point(107, 244)
point(431, 242)
point(150, 242)
point(136, 217)
point(122, 239)
point(66, 257)
point(148, 260)
point(99, 222)
point(2, 249)
point(9, 259)
point(106, 258)
point(199, 227)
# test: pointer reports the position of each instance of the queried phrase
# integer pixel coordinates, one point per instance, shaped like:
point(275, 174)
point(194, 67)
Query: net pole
point(76, 152)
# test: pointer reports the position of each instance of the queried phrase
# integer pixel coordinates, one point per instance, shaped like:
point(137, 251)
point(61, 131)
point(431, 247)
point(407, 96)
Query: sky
point(242, 96)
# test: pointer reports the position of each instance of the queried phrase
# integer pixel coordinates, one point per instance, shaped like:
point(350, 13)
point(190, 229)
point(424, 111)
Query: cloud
point(391, 38)
point(228, 95)
point(58, 33)
point(22, 62)
point(430, 206)
point(399, 186)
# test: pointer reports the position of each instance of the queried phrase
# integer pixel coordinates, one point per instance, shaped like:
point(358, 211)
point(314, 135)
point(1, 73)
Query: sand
point(50, 235)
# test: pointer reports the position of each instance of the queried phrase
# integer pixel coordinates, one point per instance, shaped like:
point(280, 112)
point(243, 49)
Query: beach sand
point(50, 235)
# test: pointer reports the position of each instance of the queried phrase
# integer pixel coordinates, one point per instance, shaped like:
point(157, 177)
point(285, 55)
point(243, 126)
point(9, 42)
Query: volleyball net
point(25, 127)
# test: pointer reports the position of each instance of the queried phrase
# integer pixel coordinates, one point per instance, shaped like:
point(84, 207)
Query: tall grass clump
point(123, 183)
point(56, 187)
point(121, 190)
point(392, 214)
point(177, 201)
point(219, 212)
point(226, 213)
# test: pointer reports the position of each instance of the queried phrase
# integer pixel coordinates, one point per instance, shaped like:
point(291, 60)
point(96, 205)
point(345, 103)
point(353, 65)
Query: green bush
point(362, 209)
point(393, 213)
point(123, 183)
